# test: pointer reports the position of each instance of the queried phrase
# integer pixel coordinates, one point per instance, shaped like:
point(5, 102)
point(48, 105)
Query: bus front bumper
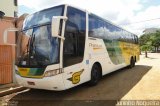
point(49, 83)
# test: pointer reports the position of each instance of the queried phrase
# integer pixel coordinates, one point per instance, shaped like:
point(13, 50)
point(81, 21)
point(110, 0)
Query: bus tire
point(135, 59)
point(95, 75)
point(132, 63)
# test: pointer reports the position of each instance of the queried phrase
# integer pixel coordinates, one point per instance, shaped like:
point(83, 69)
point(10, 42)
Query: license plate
point(30, 83)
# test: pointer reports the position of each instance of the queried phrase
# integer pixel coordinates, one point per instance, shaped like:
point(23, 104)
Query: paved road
point(139, 83)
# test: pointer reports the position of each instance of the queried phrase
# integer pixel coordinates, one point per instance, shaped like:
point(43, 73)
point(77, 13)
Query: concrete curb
point(8, 85)
point(12, 90)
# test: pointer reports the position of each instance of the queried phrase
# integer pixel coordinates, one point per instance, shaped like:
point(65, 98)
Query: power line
point(140, 21)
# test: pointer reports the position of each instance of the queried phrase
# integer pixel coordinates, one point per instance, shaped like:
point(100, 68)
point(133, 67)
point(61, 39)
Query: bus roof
point(84, 11)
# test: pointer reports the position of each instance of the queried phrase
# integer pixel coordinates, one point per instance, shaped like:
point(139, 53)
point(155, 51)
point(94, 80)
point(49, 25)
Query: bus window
point(96, 27)
point(74, 37)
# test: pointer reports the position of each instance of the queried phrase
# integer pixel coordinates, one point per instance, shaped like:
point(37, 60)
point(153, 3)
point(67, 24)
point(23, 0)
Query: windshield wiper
point(31, 47)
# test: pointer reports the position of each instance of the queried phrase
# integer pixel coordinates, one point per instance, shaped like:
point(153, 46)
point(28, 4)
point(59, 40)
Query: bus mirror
point(55, 26)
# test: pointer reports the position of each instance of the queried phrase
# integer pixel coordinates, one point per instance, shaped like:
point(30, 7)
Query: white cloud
point(38, 4)
point(149, 13)
point(117, 11)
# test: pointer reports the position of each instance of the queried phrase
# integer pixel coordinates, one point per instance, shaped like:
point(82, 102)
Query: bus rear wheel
point(95, 75)
point(132, 63)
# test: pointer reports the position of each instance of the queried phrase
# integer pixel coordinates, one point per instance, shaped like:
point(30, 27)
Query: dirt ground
point(148, 87)
point(139, 83)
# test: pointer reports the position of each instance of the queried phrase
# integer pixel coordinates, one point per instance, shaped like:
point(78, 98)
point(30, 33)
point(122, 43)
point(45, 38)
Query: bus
point(61, 47)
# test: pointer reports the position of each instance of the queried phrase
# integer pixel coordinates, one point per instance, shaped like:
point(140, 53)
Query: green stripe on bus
point(114, 51)
point(36, 71)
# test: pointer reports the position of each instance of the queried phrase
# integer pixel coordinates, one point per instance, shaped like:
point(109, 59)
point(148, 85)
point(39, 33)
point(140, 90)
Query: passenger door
point(73, 49)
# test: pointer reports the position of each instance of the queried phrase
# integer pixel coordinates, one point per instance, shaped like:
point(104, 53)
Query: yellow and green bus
point(63, 46)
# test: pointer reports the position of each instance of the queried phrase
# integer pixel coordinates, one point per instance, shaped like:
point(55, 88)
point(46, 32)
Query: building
point(9, 7)
point(150, 30)
point(8, 17)
point(7, 22)
point(7, 52)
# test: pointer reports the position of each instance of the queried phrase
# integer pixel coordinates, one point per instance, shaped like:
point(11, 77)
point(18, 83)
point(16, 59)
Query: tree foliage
point(150, 41)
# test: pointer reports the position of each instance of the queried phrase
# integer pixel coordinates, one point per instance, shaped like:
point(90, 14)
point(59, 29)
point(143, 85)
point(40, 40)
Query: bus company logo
point(76, 77)
point(95, 46)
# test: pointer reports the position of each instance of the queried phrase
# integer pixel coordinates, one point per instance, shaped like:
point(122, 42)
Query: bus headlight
point(52, 73)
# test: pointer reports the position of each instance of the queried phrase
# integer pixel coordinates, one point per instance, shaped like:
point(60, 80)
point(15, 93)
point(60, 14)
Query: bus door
point(73, 48)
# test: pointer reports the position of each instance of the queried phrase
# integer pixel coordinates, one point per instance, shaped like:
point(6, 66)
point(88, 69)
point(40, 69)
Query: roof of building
point(151, 30)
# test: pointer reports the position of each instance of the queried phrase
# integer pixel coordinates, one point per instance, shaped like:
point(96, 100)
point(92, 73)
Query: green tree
point(145, 43)
point(150, 41)
point(155, 39)
point(146, 47)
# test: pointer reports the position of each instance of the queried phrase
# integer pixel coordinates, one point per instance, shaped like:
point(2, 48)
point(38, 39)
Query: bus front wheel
point(95, 75)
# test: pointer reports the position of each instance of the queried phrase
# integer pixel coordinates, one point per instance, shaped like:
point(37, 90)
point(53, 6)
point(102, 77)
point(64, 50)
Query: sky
point(129, 14)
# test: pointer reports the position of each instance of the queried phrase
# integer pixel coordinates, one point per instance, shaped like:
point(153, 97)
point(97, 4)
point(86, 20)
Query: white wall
point(8, 7)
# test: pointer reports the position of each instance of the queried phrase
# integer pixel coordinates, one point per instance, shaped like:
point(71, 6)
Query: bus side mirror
point(55, 26)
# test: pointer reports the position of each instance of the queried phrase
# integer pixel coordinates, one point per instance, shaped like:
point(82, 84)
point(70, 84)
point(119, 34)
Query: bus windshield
point(44, 16)
point(35, 45)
